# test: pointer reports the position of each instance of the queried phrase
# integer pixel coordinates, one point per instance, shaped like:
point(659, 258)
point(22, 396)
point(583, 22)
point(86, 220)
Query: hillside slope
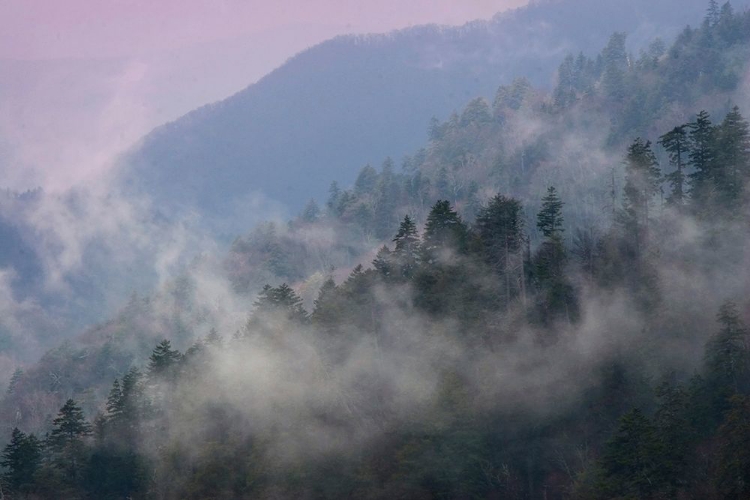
point(353, 100)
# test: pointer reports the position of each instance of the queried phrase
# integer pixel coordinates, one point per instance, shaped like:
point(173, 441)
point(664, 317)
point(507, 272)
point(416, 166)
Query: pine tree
point(732, 169)
point(676, 432)
point(500, 229)
point(712, 13)
point(702, 157)
point(726, 353)
point(444, 232)
point(406, 253)
point(556, 296)
point(311, 212)
point(69, 425)
point(676, 144)
point(366, 181)
point(615, 60)
point(327, 312)
point(67, 442)
point(21, 458)
point(642, 177)
point(383, 262)
point(163, 360)
point(733, 473)
point(550, 218)
point(631, 462)
point(114, 404)
point(281, 299)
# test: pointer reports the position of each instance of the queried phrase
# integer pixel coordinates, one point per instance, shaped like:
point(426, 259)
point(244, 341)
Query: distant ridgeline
point(350, 100)
point(580, 335)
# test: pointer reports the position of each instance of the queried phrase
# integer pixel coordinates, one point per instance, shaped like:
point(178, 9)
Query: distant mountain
point(357, 99)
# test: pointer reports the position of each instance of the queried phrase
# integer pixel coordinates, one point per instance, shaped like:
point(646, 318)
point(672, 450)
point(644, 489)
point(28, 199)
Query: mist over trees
point(549, 300)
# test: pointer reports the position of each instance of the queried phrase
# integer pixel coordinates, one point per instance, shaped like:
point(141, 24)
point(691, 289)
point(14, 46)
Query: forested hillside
point(350, 100)
point(549, 300)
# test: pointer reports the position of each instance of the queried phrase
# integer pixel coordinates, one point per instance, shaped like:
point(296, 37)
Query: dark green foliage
point(642, 178)
point(550, 218)
point(732, 169)
point(163, 361)
point(702, 159)
point(517, 399)
point(500, 229)
point(733, 473)
point(632, 464)
point(676, 144)
point(727, 355)
point(21, 459)
point(406, 254)
point(282, 299)
point(444, 232)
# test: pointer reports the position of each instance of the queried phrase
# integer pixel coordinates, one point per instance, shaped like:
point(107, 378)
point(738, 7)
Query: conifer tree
point(675, 142)
point(163, 360)
point(631, 463)
point(733, 473)
point(549, 218)
point(444, 231)
point(406, 253)
point(327, 312)
point(732, 169)
point(642, 177)
point(726, 352)
point(702, 157)
point(556, 295)
point(66, 440)
point(500, 229)
point(383, 262)
point(282, 299)
point(21, 458)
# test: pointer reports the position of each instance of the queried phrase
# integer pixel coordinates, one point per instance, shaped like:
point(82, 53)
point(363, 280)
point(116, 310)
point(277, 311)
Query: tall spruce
point(406, 253)
point(21, 459)
point(642, 178)
point(676, 144)
point(702, 157)
point(444, 232)
point(500, 227)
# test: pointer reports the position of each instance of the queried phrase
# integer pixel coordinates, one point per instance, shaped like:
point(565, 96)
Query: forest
point(549, 300)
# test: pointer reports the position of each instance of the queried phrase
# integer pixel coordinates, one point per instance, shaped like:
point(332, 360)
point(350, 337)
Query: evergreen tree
point(67, 442)
point(641, 184)
point(383, 262)
point(615, 60)
point(281, 299)
point(311, 212)
point(549, 218)
point(366, 181)
point(163, 361)
point(334, 200)
point(444, 232)
point(328, 307)
point(406, 253)
point(631, 463)
point(676, 433)
point(726, 352)
point(732, 169)
point(676, 144)
point(733, 473)
point(713, 13)
point(556, 295)
point(500, 229)
point(21, 458)
point(702, 157)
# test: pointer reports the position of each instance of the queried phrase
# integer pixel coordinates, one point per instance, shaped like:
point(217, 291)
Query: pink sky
point(83, 80)
point(105, 28)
